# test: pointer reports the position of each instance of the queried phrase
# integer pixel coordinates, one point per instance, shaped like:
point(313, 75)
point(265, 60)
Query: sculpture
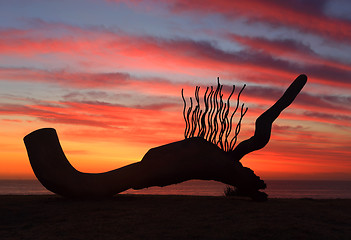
point(195, 157)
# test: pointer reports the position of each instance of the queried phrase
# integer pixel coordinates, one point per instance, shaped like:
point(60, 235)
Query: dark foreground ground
point(172, 217)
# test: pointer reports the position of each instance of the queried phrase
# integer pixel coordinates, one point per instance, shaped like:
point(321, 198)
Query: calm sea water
point(275, 189)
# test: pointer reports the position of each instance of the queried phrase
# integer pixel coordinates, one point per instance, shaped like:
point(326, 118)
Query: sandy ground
point(172, 217)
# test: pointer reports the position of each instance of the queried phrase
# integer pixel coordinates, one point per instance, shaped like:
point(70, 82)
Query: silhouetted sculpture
point(192, 158)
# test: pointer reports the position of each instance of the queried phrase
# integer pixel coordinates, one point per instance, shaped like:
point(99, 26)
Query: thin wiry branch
point(185, 118)
point(202, 132)
point(237, 129)
point(213, 119)
point(209, 126)
point(228, 124)
point(230, 146)
point(213, 123)
point(188, 121)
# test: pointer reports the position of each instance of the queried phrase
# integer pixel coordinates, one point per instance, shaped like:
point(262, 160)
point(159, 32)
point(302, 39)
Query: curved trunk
point(264, 122)
point(54, 171)
point(192, 158)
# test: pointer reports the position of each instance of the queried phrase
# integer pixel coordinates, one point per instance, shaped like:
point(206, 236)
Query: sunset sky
point(107, 75)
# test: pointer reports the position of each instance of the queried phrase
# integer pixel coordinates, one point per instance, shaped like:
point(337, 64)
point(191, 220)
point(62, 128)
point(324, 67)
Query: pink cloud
point(290, 14)
point(166, 56)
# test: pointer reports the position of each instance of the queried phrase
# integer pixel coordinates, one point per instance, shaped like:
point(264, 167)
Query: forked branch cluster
point(213, 122)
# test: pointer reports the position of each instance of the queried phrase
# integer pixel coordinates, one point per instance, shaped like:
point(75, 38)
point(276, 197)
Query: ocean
point(275, 189)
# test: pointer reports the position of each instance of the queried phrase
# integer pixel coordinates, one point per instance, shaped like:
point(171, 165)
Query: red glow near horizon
point(112, 90)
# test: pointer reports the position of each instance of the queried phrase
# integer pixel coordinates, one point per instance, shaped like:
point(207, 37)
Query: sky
point(108, 75)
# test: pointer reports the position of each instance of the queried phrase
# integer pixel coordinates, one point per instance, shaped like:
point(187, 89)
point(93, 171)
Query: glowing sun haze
point(107, 75)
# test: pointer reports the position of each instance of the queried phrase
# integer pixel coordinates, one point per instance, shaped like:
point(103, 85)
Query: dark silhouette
point(192, 158)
